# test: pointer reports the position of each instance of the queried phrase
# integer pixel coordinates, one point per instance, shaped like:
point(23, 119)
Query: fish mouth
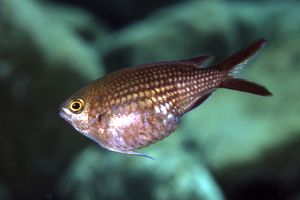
point(63, 114)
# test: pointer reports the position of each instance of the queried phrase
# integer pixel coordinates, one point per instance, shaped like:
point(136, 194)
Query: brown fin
point(239, 59)
point(201, 60)
point(245, 86)
point(199, 101)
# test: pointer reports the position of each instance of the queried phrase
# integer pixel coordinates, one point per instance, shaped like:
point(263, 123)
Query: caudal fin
point(245, 86)
point(235, 63)
point(238, 60)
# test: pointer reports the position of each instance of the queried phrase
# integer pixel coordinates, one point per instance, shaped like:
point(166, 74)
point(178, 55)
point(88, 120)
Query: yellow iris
point(76, 105)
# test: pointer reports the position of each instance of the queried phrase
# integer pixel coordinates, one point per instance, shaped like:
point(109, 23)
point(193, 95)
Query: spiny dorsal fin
point(200, 61)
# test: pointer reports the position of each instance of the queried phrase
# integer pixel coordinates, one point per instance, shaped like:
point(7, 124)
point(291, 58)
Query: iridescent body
point(134, 107)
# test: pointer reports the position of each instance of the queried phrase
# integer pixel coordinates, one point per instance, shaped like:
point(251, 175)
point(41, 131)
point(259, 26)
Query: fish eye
point(76, 105)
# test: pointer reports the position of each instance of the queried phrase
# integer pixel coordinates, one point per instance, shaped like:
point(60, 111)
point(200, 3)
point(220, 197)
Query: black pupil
point(76, 106)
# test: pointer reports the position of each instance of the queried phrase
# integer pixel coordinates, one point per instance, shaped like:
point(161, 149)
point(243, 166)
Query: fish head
point(81, 110)
point(75, 110)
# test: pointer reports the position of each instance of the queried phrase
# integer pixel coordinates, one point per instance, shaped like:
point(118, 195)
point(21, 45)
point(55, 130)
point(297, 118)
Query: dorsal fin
point(200, 61)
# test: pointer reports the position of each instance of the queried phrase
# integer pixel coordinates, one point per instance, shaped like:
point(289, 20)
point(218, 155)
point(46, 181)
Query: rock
point(97, 175)
point(44, 57)
point(172, 34)
point(62, 36)
point(118, 14)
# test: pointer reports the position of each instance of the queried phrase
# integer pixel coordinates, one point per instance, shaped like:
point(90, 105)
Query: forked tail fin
point(235, 63)
point(245, 86)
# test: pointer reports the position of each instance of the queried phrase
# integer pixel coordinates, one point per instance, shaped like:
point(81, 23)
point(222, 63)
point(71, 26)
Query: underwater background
point(234, 146)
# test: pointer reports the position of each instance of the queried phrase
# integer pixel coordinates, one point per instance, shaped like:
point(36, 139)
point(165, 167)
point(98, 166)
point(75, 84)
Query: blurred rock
point(94, 175)
point(62, 36)
point(177, 32)
point(46, 53)
point(274, 175)
point(118, 14)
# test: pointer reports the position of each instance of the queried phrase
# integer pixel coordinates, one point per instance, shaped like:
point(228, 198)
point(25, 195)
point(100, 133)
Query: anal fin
point(199, 101)
point(138, 154)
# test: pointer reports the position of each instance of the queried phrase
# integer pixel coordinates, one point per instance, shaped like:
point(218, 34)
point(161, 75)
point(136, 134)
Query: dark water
point(234, 146)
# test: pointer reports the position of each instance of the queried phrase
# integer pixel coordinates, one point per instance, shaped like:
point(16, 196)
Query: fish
point(134, 107)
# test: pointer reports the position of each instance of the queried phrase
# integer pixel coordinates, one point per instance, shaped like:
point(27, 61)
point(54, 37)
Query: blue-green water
point(234, 146)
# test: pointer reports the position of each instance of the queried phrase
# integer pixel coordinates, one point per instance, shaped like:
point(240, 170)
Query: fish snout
point(64, 112)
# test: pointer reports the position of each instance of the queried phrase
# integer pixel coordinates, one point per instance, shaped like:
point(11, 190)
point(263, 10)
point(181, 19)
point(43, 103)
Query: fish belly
point(130, 129)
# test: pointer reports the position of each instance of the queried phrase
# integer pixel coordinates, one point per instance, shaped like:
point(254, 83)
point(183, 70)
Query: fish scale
point(178, 91)
point(135, 107)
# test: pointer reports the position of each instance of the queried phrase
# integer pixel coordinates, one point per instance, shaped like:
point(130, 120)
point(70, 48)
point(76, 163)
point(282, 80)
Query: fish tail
point(235, 63)
point(245, 86)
